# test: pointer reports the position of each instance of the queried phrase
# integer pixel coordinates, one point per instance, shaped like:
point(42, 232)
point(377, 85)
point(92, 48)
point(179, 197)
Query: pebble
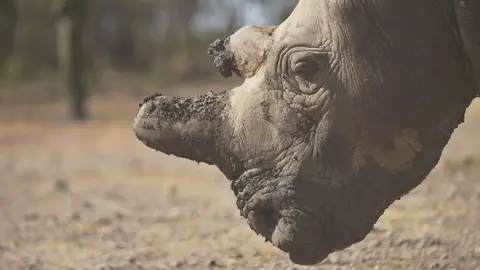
point(238, 255)
point(76, 216)
point(61, 185)
point(87, 205)
point(178, 264)
point(211, 263)
point(435, 265)
point(119, 216)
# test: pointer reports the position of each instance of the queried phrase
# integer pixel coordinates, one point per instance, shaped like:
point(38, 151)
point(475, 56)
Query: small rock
point(469, 161)
point(178, 264)
point(61, 185)
point(119, 216)
point(76, 216)
point(88, 205)
point(364, 259)
point(238, 255)
point(435, 265)
point(132, 260)
point(420, 244)
point(211, 263)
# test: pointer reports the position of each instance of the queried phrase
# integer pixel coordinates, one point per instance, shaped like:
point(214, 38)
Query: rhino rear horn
point(223, 58)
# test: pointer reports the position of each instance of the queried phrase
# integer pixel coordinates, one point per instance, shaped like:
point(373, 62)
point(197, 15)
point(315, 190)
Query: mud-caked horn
point(223, 58)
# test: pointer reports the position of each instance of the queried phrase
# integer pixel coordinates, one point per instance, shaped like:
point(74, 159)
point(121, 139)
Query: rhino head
point(344, 107)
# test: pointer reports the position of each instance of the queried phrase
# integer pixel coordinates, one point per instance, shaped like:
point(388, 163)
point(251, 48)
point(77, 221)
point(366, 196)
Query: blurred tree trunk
point(8, 21)
point(179, 33)
point(71, 27)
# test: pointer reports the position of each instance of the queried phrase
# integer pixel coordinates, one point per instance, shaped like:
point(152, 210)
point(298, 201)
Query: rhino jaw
point(306, 219)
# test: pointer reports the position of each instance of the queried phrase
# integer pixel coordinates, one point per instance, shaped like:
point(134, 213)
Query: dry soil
point(90, 196)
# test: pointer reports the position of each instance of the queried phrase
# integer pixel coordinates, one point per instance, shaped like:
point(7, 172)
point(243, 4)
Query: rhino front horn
point(186, 127)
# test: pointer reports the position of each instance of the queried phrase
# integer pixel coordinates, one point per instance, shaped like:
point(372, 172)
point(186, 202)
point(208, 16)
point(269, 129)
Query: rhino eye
point(306, 69)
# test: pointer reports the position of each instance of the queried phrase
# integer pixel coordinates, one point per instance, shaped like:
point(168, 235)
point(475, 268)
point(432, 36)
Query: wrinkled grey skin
point(345, 107)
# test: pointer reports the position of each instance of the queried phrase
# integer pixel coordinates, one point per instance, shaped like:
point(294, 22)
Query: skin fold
point(345, 107)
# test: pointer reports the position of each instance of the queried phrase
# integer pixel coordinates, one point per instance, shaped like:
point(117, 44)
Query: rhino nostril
point(264, 221)
point(270, 217)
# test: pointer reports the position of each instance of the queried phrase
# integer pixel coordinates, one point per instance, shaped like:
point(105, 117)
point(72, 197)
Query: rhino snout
point(279, 209)
point(291, 230)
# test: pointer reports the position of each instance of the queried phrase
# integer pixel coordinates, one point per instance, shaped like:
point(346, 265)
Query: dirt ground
point(90, 196)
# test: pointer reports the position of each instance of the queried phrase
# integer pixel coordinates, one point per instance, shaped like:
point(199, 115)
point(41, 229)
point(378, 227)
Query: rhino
point(344, 108)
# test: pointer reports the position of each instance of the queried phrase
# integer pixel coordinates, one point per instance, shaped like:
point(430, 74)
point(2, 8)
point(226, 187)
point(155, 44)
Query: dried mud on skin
point(93, 197)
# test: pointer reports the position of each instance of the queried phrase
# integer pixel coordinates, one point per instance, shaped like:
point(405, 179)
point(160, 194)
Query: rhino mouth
point(275, 210)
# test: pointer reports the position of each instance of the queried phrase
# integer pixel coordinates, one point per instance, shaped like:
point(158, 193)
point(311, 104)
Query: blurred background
point(71, 50)
point(79, 191)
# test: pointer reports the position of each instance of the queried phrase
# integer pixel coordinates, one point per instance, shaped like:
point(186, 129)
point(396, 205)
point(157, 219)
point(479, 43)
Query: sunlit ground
point(90, 196)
